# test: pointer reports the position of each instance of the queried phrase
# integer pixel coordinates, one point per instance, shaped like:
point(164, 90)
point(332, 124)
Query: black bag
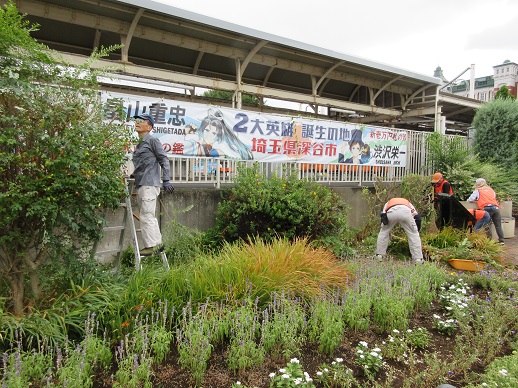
point(417, 219)
point(384, 218)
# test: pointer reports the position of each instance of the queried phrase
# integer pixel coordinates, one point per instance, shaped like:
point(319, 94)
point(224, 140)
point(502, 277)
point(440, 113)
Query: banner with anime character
point(189, 129)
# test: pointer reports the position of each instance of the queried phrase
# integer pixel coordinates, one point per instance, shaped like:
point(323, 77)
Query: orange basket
point(467, 265)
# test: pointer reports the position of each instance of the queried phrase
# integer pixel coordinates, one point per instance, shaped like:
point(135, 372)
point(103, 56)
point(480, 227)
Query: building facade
point(486, 86)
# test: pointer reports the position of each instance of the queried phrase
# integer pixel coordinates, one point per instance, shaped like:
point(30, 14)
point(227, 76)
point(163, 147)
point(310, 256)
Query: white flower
point(409, 331)
point(294, 361)
point(374, 354)
point(285, 376)
point(319, 373)
point(326, 370)
point(238, 382)
point(503, 372)
point(282, 370)
point(362, 356)
point(377, 349)
point(363, 343)
point(395, 331)
point(272, 375)
point(339, 359)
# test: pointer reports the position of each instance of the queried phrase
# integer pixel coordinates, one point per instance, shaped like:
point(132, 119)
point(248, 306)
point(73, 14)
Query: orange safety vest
point(437, 188)
point(477, 213)
point(398, 201)
point(486, 196)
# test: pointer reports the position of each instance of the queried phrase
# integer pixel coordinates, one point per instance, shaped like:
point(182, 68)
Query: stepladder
point(130, 218)
point(127, 225)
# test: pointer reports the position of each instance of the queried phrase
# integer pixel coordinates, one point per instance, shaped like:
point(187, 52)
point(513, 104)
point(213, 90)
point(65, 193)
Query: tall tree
point(60, 162)
point(496, 132)
point(504, 93)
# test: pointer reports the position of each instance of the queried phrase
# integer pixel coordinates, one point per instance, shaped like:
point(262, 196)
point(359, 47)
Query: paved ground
point(510, 255)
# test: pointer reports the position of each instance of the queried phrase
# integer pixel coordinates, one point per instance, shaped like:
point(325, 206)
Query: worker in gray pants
point(399, 211)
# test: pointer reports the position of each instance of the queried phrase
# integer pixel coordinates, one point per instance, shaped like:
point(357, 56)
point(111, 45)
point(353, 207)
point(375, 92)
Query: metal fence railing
point(222, 171)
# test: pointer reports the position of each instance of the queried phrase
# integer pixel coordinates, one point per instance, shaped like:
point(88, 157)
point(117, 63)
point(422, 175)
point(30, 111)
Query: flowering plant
point(291, 376)
point(444, 326)
point(370, 360)
point(336, 375)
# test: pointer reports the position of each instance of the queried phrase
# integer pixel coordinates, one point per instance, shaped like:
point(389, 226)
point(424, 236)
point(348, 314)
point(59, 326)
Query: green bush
point(275, 207)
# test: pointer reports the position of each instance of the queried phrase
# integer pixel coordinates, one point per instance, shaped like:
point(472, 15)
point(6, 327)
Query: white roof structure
point(171, 46)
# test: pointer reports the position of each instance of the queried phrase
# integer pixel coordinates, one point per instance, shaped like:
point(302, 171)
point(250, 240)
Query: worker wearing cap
point(440, 185)
point(399, 211)
point(485, 197)
point(148, 157)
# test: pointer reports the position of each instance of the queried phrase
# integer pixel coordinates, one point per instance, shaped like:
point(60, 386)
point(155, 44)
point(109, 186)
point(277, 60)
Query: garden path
point(510, 255)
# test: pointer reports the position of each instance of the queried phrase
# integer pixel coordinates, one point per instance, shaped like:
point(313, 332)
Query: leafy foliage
point(504, 93)
point(59, 162)
point(247, 99)
point(269, 208)
point(496, 135)
point(451, 243)
point(461, 167)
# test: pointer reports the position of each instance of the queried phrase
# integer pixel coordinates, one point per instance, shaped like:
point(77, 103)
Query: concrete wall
point(196, 207)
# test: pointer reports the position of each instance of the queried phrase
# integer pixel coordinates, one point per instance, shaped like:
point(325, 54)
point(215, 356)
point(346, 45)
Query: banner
point(188, 129)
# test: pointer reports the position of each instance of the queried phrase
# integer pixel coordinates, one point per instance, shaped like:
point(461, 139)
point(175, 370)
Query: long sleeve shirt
point(147, 160)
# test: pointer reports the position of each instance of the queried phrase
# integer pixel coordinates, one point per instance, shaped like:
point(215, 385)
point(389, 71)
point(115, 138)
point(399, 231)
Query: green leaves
point(278, 206)
point(496, 132)
point(60, 162)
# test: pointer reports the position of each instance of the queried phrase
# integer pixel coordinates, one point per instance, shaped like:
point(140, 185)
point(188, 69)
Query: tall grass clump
point(273, 207)
point(61, 317)
point(259, 268)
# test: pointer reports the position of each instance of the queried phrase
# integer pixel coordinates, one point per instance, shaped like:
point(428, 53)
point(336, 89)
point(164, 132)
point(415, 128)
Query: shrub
point(277, 207)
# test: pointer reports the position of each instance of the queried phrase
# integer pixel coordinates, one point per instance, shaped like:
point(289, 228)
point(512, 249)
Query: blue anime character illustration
point(358, 151)
point(214, 138)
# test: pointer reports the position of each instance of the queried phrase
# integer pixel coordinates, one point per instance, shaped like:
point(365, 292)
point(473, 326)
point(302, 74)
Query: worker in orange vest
point(485, 197)
point(441, 186)
point(399, 211)
point(482, 218)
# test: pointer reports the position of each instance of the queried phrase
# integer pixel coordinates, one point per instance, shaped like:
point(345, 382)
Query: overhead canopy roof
point(169, 44)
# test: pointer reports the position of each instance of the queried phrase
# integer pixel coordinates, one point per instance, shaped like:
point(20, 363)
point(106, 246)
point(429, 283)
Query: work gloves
point(168, 187)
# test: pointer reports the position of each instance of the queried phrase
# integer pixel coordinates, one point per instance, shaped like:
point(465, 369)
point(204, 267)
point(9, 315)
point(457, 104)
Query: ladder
point(129, 221)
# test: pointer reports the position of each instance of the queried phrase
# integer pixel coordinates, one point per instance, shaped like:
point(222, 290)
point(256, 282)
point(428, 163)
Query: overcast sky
point(417, 35)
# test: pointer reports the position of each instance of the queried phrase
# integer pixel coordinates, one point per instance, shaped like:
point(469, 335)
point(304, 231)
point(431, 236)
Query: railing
point(216, 172)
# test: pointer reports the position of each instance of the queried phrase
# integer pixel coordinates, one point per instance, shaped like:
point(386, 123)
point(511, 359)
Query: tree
point(60, 163)
point(503, 93)
point(227, 96)
point(496, 133)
